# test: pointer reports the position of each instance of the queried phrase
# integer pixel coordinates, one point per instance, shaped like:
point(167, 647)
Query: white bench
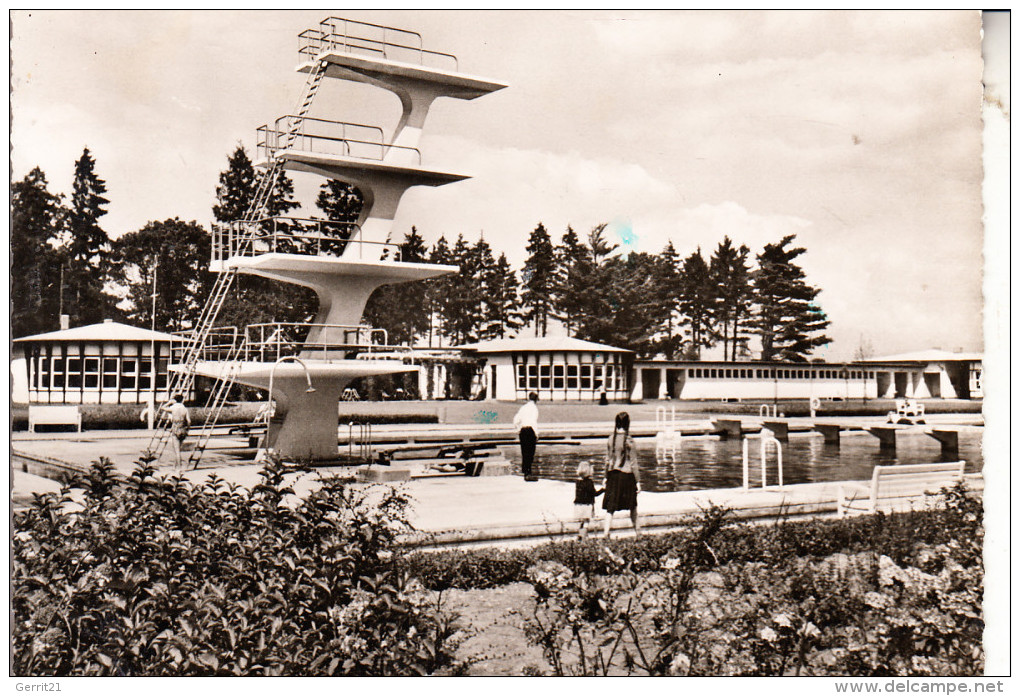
point(53, 415)
point(896, 484)
point(907, 410)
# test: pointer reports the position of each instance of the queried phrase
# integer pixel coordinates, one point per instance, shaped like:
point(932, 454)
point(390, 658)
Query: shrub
point(148, 576)
point(895, 535)
point(864, 614)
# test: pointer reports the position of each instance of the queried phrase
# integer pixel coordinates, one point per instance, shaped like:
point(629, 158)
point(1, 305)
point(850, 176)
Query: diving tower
point(305, 367)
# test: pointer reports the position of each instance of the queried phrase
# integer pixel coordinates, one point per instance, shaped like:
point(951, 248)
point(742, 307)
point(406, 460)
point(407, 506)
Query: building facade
point(106, 363)
point(932, 374)
point(666, 379)
point(555, 368)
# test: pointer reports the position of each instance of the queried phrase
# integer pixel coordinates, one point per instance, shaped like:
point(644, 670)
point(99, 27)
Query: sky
point(859, 132)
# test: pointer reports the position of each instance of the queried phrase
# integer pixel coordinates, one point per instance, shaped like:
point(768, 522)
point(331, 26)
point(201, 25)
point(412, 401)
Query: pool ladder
point(668, 439)
point(359, 441)
point(766, 439)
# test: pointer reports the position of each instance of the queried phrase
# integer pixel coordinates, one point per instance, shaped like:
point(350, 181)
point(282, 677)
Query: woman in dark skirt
point(621, 474)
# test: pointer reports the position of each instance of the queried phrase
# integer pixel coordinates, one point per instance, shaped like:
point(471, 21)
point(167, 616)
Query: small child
point(584, 498)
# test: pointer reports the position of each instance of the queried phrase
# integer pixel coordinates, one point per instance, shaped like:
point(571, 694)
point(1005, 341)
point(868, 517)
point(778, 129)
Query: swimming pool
point(714, 463)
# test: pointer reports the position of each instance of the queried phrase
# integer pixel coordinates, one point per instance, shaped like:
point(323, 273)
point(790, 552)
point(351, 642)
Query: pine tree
point(668, 278)
point(572, 262)
point(600, 248)
point(342, 203)
point(38, 219)
point(255, 300)
point(697, 304)
point(236, 189)
point(464, 305)
point(503, 308)
point(624, 309)
point(87, 247)
point(439, 290)
point(787, 320)
point(402, 308)
point(539, 276)
point(730, 274)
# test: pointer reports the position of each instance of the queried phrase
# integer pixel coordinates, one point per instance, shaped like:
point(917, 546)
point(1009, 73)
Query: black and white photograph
point(543, 343)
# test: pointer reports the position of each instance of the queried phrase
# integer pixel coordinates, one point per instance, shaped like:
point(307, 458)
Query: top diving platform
point(386, 57)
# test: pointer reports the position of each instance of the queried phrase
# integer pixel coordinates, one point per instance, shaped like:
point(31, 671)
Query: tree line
point(655, 304)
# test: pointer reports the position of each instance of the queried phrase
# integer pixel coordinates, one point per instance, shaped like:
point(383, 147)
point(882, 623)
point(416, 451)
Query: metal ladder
point(217, 398)
point(182, 381)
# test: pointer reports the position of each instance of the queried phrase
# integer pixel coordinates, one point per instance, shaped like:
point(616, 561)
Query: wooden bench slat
point(897, 483)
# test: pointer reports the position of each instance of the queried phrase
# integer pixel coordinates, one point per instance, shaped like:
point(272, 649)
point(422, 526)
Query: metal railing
point(359, 441)
point(326, 137)
point(766, 439)
point(292, 235)
point(349, 36)
point(271, 341)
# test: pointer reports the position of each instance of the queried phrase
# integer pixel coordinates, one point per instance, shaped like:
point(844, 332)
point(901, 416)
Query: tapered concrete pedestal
point(304, 426)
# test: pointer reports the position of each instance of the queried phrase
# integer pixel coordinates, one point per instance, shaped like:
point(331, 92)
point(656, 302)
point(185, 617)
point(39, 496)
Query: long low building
point(665, 379)
point(932, 374)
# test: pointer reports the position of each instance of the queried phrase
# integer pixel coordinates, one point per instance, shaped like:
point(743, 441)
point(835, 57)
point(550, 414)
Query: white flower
point(782, 620)
point(671, 563)
point(681, 665)
point(768, 634)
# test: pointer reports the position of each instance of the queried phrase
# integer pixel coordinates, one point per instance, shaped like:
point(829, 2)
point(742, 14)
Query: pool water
point(712, 463)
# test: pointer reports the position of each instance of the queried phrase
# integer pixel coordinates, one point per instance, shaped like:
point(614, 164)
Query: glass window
point(162, 370)
point(91, 373)
point(109, 373)
point(571, 376)
point(532, 376)
point(58, 373)
point(558, 376)
point(145, 373)
point(42, 376)
point(74, 373)
point(544, 372)
point(585, 376)
point(128, 373)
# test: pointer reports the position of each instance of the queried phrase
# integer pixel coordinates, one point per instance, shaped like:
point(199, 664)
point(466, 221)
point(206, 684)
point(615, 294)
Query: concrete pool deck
point(452, 510)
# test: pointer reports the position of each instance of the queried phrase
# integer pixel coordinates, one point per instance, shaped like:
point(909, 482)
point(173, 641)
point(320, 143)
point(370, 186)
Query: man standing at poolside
point(526, 422)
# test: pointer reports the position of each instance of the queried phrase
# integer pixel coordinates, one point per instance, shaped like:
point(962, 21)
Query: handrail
point(766, 439)
point(351, 37)
point(267, 342)
point(289, 235)
point(292, 131)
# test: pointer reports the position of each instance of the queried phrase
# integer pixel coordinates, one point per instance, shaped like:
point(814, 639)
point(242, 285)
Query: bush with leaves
point(863, 614)
point(623, 621)
point(159, 576)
